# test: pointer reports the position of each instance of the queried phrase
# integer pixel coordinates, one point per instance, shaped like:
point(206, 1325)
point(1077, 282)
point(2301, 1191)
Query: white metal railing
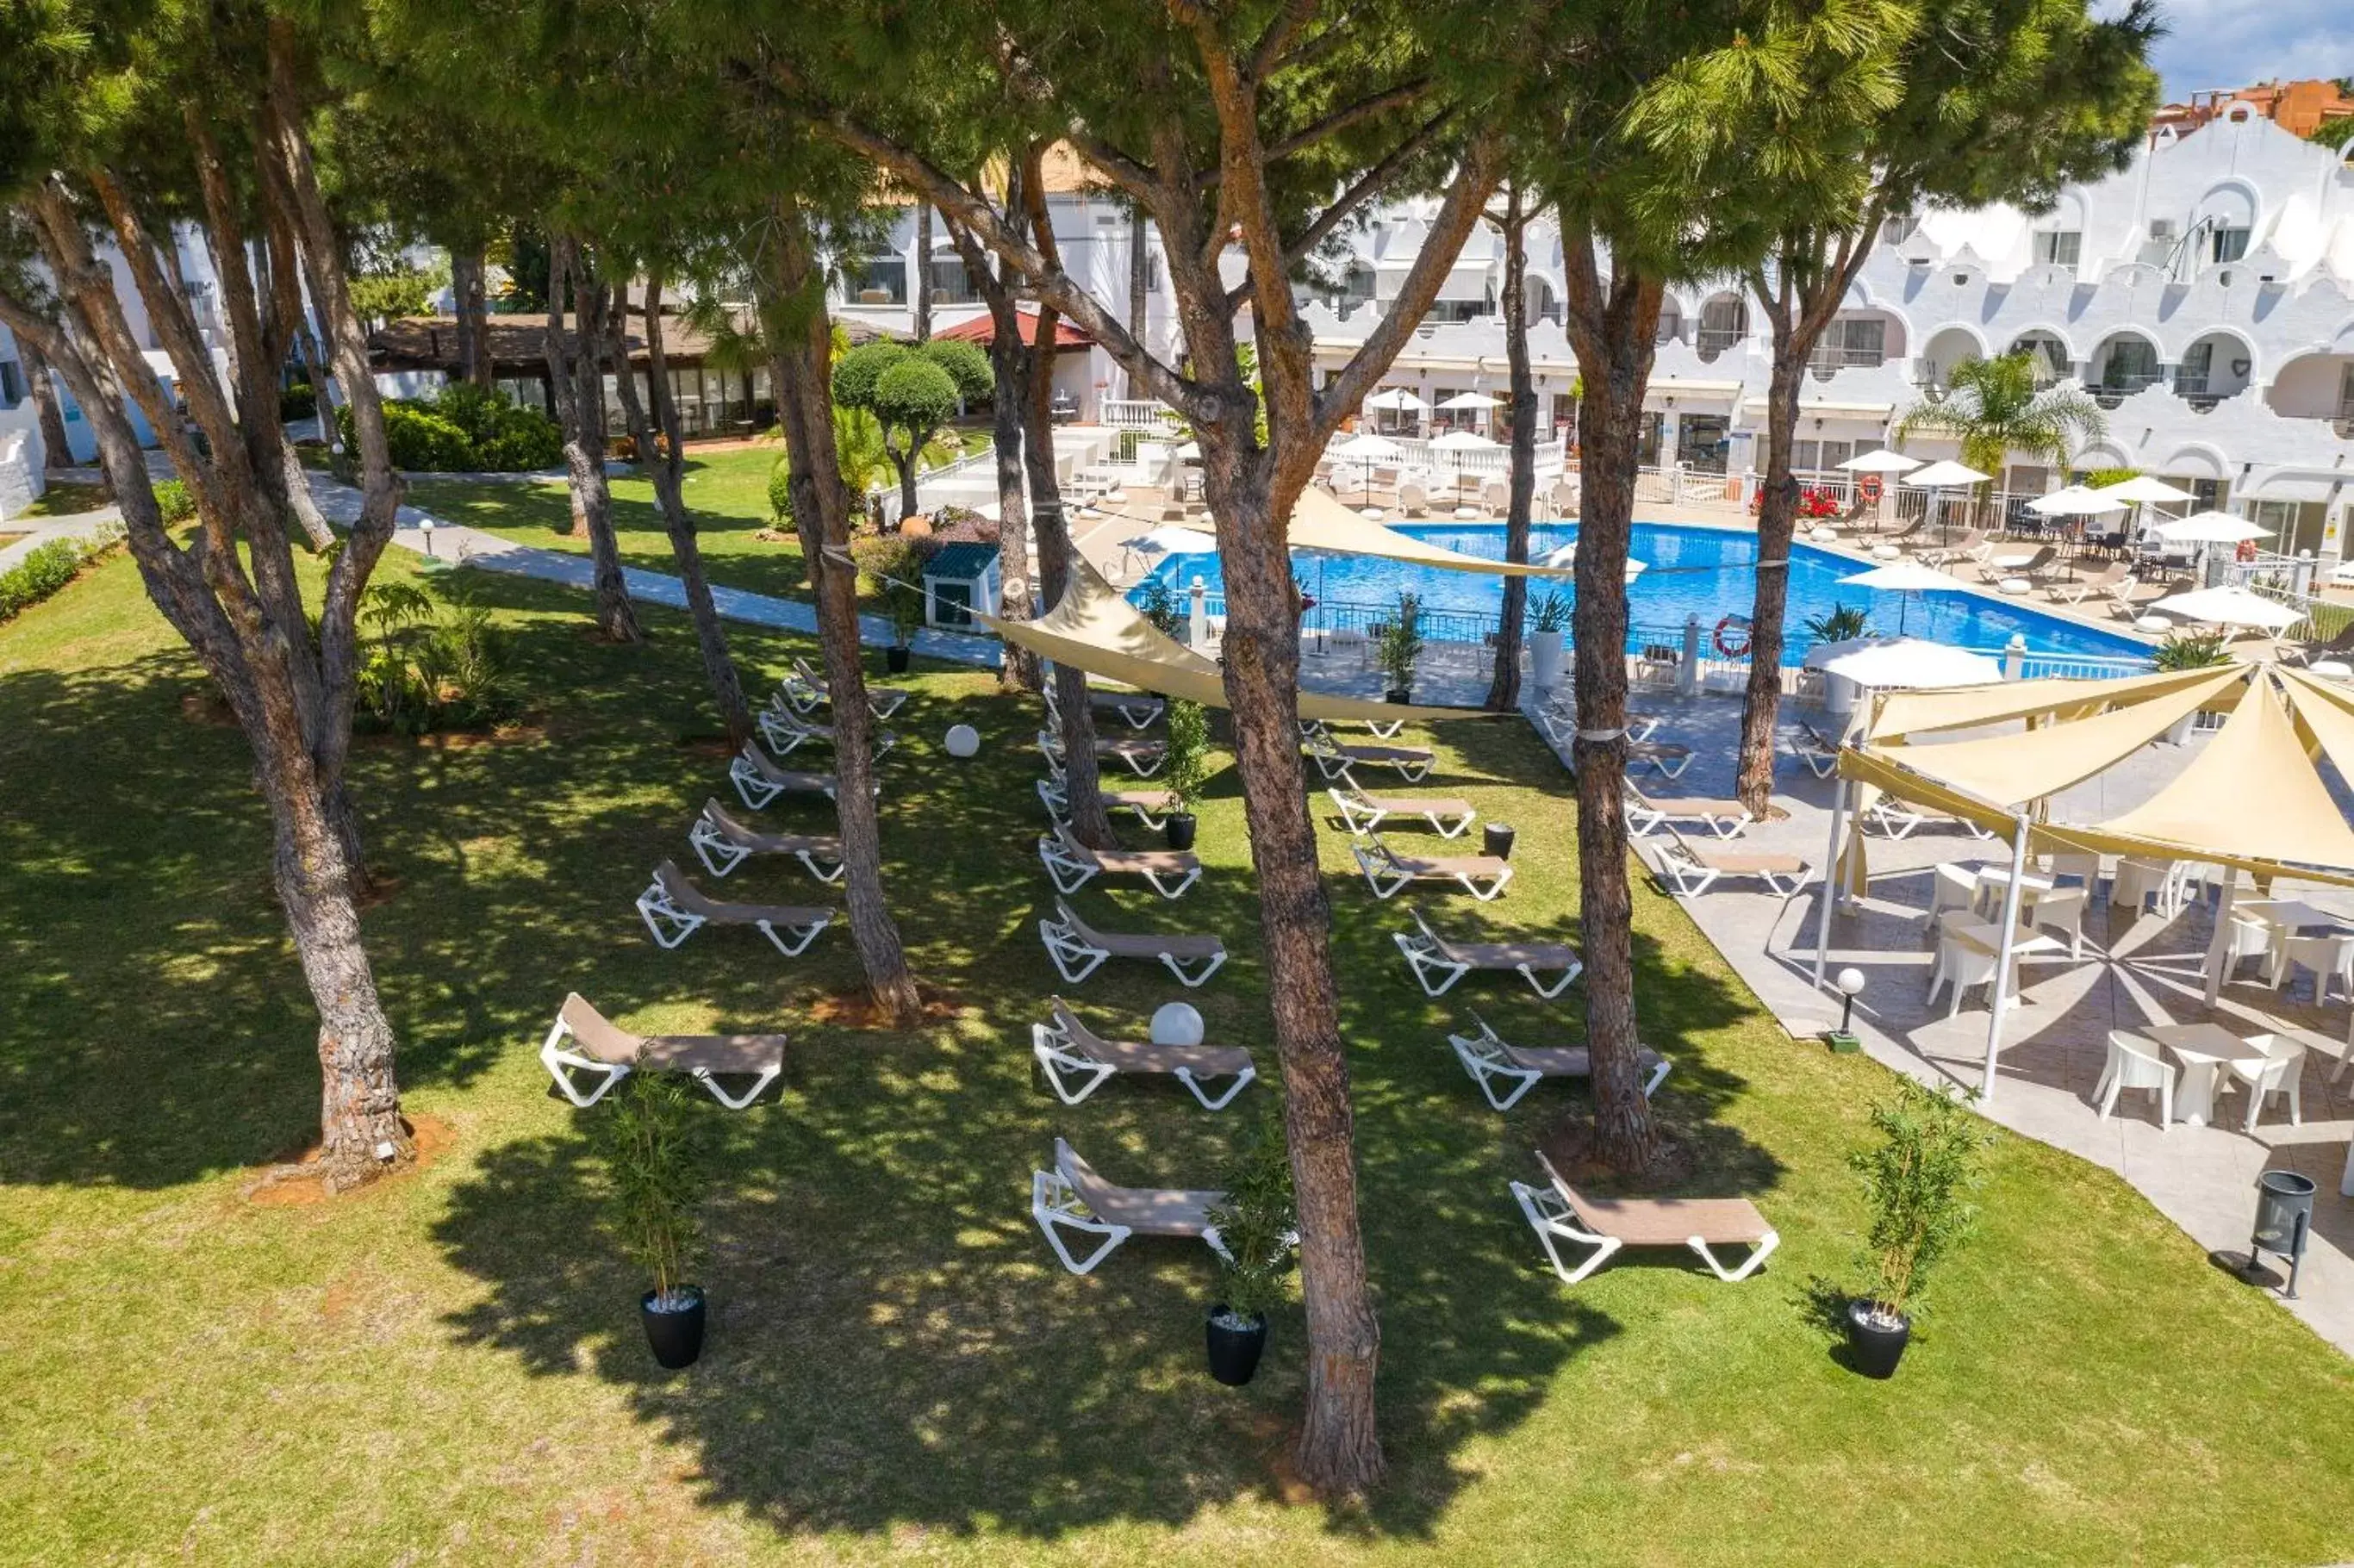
point(1137, 414)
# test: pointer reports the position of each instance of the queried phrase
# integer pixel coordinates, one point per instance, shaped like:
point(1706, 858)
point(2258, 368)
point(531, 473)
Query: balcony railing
point(1828, 361)
point(1713, 341)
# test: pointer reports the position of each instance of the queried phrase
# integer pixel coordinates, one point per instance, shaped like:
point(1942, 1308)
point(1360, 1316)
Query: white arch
point(2248, 207)
point(2103, 454)
point(2067, 343)
point(2198, 452)
point(1965, 329)
point(2224, 329)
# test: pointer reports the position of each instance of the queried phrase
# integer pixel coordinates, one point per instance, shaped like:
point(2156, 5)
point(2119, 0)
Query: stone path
point(39, 531)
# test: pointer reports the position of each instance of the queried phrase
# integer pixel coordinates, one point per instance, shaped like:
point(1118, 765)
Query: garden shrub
point(432, 665)
point(464, 429)
point(49, 567)
point(299, 401)
point(175, 501)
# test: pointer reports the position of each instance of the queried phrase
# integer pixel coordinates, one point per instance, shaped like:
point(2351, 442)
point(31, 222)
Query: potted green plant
point(1547, 616)
point(905, 606)
point(1916, 1182)
point(2189, 650)
point(1256, 1228)
point(1840, 624)
point(1186, 764)
point(1399, 648)
point(650, 1133)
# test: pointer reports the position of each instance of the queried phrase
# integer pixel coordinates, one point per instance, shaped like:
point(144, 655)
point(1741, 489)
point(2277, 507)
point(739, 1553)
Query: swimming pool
point(1690, 571)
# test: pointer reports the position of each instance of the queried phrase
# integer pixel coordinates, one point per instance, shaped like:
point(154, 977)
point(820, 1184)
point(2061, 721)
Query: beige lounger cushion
point(1147, 1210)
point(823, 845)
point(1387, 753)
point(1668, 1222)
point(1567, 1061)
point(1142, 1056)
point(1509, 955)
point(1121, 944)
point(606, 1042)
point(695, 901)
point(1477, 866)
point(1746, 864)
point(786, 777)
point(1157, 801)
point(1407, 806)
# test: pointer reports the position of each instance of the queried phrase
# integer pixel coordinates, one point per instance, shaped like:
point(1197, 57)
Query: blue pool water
point(1705, 572)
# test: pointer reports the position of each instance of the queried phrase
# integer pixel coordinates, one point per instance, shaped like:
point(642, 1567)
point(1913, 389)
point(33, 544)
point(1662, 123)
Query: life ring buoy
point(2247, 551)
point(1725, 645)
point(1868, 488)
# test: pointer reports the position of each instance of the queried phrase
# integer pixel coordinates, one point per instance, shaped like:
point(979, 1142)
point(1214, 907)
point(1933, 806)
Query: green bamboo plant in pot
point(1547, 617)
point(1917, 1180)
point(2189, 650)
point(1257, 1227)
point(1186, 766)
point(650, 1132)
point(1400, 648)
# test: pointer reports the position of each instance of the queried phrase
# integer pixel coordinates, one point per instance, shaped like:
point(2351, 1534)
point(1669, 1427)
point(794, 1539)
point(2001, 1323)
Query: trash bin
point(2284, 1215)
point(1498, 840)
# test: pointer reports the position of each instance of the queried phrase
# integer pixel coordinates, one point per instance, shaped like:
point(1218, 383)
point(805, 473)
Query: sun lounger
point(1076, 1060)
point(1558, 719)
point(2102, 584)
point(1430, 955)
point(1336, 761)
point(784, 729)
point(1072, 1197)
point(1450, 817)
point(1134, 709)
point(726, 844)
point(674, 909)
point(760, 780)
point(606, 1048)
point(1490, 1061)
point(805, 689)
point(1143, 758)
point(1725, 819)
point(1153, 807)
point(1692, 869)
point(1073, 864)
point(1812, 746)
point(1558, 1213)
point(1077, 947)
point(1483, 876)
point(1897, 819)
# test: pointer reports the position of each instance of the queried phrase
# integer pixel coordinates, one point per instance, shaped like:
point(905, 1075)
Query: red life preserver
point(1725, 645)
point(1868, 488)
point(2247, 550)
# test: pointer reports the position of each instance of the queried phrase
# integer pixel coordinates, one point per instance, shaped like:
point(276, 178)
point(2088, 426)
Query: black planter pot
point(676, 1336)
point(1234, 1352)
point(1872, 1349)
point(896, 660)
point(1181, 830)
point(1398, 695)
point(1496, 839)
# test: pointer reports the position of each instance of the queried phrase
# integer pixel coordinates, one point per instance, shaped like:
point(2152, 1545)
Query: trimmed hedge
point(464, 429)
point(47, 568)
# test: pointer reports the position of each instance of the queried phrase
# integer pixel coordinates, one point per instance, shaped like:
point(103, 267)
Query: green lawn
point(65, 498)
point(449, 1369)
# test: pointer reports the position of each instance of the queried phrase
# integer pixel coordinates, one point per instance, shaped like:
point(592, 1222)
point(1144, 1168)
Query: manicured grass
point(449, 1369)
point(728, 492)
point(65, 498)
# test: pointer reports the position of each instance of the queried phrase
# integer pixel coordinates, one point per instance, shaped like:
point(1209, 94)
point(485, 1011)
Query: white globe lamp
point(963, 741)
point(1177, 1024)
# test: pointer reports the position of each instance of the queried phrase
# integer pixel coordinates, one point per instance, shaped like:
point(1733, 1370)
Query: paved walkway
point(2137, 971)
point(39, 531)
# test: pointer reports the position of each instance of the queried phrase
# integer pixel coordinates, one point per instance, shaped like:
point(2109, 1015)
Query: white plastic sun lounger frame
point(1061, 1056)
point(1058, 1207)
point(1483, 1056)
point(746, 774)
point(1898, 821)
point(1425, 953)
point(1645, 815)
point(1386, 875)
point(721, 854)
point(1127, 708)
point(1054, 795)
point(562, 1064)
point(1556, 1220)
point(784, 730)
point(1334, 761)
point(1374, 813)
point(1050, 746)
point(1073, 865)
point(806, 690)
point(1075, 957)
point(672, 925)
point(1690, 876)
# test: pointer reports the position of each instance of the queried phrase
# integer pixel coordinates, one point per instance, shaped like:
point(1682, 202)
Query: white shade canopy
point(1366, 445)
point(1468, 400)
point(1463, 441)
point(1903, 577)
point(1880, 459)
point(1911, 662)
point(2231, 607)
point(2074, 501)
point(1175, 541)
point(2141, 487)
point(1939, 475)
point(1397, 397)
point(2209, 528)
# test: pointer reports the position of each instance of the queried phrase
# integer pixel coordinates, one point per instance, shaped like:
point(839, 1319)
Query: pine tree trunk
point(575, 369)
point(801, 349)
point(660, 455)
point(923, 271)
point(1504, 690)
point(1625, 1138)
point(1083, 780)
point(466, 282)
point(1140, 280)
point(1777, 515)
point(58, 450)
point(1019, 673)
point(907, 466)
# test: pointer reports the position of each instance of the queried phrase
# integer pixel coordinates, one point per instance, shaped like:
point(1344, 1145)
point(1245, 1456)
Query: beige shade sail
point(1092, 627)
point(2252, 794)
point(1319, 522)
point(1915, 713)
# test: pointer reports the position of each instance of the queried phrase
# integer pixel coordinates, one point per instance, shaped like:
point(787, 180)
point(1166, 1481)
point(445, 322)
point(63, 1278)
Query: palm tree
point(1995, 408)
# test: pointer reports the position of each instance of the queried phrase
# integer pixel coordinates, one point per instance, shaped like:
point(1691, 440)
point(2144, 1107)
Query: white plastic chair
point(2328, 954)
point(2133, 1064)
point(1963, 965)
point(2276, 1072)
point(1953, 890)
point(2062, 909)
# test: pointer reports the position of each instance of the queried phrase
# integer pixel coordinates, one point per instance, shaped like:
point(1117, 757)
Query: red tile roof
point(982, 330)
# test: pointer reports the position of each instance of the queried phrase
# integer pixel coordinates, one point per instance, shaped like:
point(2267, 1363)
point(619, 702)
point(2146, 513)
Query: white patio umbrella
point(2209, 528)
point(1907, 578)
point(1368, 449)
point(1880, 459)
point(1455, 443)
point(1468, 400)
point(1174, 541)
point(1908, 662)
point(1935, 478)
point(1397, 398)
point(2074, 501)
point(2231, 607)
point(2142, 488)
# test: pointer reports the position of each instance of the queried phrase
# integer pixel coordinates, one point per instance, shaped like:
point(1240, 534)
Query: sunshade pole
point(1832, 884)
point(2218, 946)
point(2002, 953)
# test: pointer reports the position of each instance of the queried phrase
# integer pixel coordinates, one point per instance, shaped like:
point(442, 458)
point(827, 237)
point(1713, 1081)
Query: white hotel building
point(2205, 296)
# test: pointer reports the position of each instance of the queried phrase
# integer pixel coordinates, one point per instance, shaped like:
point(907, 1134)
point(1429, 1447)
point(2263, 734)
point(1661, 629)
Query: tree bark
point(57, 451)
point(1008, 364)
point(466, 282)
point(1613, 326)
point(1504, 690)
point(923, 272)
point(1139, 281)
point(659, 452)
point(905, 462)
point(578, 375)
point(800, 347)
